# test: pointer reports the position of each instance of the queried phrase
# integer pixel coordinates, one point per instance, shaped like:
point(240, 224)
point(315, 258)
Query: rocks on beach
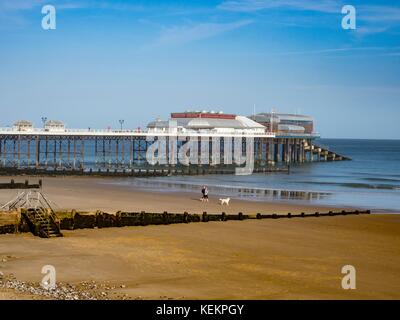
point(86, 290)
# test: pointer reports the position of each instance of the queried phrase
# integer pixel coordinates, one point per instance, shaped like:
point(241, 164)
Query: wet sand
point(252, 259)
point(91, 194)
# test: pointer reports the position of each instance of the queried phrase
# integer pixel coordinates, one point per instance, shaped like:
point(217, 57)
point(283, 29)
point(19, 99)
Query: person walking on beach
point(203, 190)
point(206, 194)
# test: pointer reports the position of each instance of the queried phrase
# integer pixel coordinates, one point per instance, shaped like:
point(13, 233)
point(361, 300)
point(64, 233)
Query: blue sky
point(138, 60)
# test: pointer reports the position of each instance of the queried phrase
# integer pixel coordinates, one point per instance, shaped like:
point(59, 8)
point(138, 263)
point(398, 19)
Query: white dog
point(225, 201)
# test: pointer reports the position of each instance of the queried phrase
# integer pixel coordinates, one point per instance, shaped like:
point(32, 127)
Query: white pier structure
point(55, 148)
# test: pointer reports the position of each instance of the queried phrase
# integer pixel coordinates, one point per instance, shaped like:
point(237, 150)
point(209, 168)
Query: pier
point(212, 137)
point(89, 151)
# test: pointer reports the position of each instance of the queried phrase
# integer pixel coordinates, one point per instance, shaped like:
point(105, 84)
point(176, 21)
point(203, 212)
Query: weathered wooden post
point(165, 217)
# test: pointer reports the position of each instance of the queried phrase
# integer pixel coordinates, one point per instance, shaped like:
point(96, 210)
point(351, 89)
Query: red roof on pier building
point(207, 115)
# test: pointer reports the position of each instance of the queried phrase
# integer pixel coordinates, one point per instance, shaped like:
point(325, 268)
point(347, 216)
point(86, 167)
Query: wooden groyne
point(73, 220)
point(21, 185)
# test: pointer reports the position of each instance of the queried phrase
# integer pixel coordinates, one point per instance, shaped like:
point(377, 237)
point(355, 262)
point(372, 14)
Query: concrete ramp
point(319, 153)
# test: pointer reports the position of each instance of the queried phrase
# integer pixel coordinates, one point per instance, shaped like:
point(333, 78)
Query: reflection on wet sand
point(257, 194)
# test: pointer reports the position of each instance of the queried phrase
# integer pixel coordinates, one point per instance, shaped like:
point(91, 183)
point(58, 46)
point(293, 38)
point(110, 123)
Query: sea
point(371, 180)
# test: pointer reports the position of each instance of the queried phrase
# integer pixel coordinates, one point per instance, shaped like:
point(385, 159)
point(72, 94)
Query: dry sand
point(267, 259)
point(252, 259)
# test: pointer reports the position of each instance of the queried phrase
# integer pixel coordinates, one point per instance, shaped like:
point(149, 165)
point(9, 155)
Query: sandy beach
point(274, 259)
point(252, 259)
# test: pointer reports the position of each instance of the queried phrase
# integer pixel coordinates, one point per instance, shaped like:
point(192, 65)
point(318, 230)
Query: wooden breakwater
point(12, 222)
point(73, 220)
point(21, 185)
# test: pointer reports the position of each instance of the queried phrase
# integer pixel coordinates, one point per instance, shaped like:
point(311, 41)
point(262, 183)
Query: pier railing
point(132, 132)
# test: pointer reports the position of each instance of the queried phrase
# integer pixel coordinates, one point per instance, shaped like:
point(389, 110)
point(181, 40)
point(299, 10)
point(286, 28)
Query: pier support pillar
point(83, 153)
point(277, 152)
point(286, 154)
point(37, 152)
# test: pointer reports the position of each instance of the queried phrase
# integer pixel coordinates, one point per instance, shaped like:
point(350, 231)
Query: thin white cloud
point(13, 5)
point(111, 5)
point(373, 18)
point(366, 30)
point(335, 51)
point(328, 6)
point(376, 19)
point(24, 5)
point(379, 14)
point(188, 33)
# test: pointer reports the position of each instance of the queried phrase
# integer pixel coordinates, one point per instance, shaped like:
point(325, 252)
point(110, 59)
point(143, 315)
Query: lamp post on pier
point(44, 119)
point(121, 122)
